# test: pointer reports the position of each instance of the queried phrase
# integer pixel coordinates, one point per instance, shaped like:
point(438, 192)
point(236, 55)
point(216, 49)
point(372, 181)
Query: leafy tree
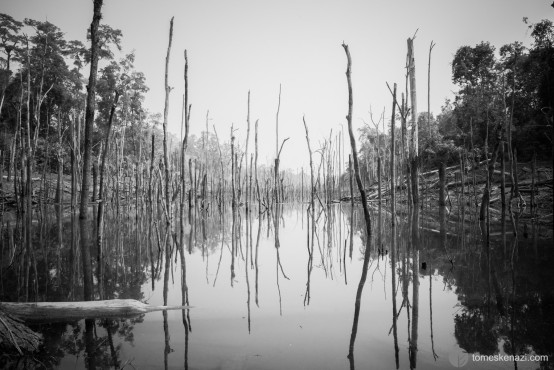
point(108, 37)
point(9, 40)
point(473, 67)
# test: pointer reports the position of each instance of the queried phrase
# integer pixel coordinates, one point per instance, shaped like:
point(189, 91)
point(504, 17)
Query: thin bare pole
point(392, 179)
point(414, 148)
point(246, 154)
point(276, 175)
point(166, 164)
point(429, 90)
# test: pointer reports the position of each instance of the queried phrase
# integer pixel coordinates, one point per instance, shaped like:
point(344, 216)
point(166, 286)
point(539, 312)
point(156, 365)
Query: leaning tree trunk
point(364, 205)
point(89, 119)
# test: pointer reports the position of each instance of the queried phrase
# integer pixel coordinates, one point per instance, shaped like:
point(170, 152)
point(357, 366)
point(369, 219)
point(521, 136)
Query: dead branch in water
point(67, 311)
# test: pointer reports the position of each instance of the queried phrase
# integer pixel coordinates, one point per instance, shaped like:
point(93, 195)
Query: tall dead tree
point(392, 148)
point(429, 90)
point(89, 120)
point(276, 174)
point(247, 202)
point(102, 201)
point(312, 186)
point(185, 116)
point(364, 205)
point(414, 147)
point(166, 163)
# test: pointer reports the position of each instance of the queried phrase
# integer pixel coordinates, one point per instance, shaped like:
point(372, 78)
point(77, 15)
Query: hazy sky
point(240, 45)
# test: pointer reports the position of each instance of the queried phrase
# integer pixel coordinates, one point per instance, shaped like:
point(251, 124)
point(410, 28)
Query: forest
point(98, 199)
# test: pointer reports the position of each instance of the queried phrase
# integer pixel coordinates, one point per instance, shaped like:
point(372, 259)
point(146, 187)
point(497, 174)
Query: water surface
point(267, 299)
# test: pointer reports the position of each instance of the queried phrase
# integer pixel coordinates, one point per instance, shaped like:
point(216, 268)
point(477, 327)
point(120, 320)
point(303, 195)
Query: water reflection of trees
point(91, 340)
point(54, 273)
point(507, 299)
point(504, 287)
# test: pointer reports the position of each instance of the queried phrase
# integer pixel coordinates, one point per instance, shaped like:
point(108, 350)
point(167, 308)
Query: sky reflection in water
point(472, 299)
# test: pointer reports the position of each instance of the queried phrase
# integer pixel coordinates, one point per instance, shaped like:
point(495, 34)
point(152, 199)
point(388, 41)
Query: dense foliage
point(511, 88)
point(503, 95)
point(38, 64)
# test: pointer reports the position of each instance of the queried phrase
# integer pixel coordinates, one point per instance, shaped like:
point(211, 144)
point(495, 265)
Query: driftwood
point(14, 334)
point(66, 311)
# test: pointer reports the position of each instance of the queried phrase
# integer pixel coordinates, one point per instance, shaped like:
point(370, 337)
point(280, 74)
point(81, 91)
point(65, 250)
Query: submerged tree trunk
point(89, 119)
point(168, 207)
point(101, 196)
point(364, 205)
point(485, 200)
point(185, 117)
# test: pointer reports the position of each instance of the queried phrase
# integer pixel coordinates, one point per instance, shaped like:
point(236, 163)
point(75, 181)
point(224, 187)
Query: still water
point(278, 291)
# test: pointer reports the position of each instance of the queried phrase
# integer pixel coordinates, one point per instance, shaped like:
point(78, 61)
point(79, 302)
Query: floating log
point(67, 311)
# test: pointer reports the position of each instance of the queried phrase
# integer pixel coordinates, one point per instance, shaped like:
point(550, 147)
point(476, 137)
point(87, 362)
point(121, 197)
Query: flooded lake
point(276, 290)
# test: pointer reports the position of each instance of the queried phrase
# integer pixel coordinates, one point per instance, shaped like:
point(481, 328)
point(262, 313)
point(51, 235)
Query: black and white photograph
point(268, 185)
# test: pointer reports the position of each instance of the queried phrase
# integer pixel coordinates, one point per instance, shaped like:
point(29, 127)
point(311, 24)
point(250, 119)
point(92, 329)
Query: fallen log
point(67, 311)
point(455, 167)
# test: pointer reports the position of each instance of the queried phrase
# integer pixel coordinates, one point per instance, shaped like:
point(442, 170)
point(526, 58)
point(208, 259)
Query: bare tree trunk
point(364, 205)
point(166, 166)
point(255, 170)
point(533, 174)
point(28, 210)
point(486, 193)
point(442, 184)
point(185, 117)
point(276, 174)
point(414, 149)
point(101, 196)
point(429, 90)
point(233, 178)
point(502, 177)
point(392, 173)
point(351, 180)
point(247, 201)
point(89, 119)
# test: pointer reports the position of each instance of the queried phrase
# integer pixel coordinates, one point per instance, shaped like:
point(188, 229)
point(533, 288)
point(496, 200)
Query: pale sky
point(240, 45)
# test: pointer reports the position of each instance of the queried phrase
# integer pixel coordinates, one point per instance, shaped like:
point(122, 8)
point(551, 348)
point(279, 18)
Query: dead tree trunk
point(485, 200)
point(364, 205)
point(166, 166)
point(100, 217)
point(276, 173)
point(429, 90)
point(414, 149)
point(89, 120)
point(502, 178)
point(442, 184)
point(392, 155)
point(67, 311)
